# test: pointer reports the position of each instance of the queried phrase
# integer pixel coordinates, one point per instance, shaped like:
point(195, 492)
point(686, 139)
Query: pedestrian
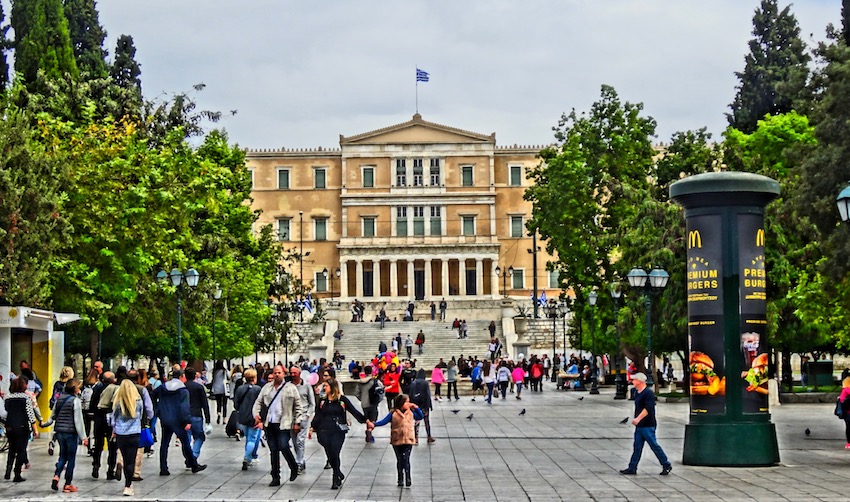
point(382, 347)
point(65, 374)
point(410, 308)
point(518, 376)
point(140, 380)
point(127, 414)
point(547, 365)
point(433, 311)
point(279, 412)
point(175, 420)
point(475, 377)
point(19, 413)
point(365, 393)
point(85, 401)
point(402, 434)
point(243, 403)
point(103, 429)
point(420, 340)
point(451, 379)
point(199, 409)
point(392, 383)
point(492, 328)
point(382, 315)
point(308, 404)
point(645, 425)
point(219, 391)
point(464, 329)
point(408, 375)
point(438, 379)
point(488, 376)
point(420, 395)
point(503, 378)
point(70, 427)
point(331, 425)
point(443, 307)
point(408, 345)
point(491, 348)
point(845, 405)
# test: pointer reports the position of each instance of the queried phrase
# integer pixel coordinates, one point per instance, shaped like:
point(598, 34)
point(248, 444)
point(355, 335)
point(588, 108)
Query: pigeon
point(808, 432)
point(580, 398)
point(624, 420)
point(522, 412)
point(469, 417)
point(455, 411)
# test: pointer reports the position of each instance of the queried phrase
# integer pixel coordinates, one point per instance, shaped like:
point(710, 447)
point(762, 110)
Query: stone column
point(393, 278)
point(358, 278)
point(410, 288)
point(461, 280)
point(343, 279)
point(428, 288)
point(494, 279)
point(376, 278)
point(444, 271)
point(479, 277)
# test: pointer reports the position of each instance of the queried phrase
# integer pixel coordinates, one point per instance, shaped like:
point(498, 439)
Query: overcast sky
point(301, 73)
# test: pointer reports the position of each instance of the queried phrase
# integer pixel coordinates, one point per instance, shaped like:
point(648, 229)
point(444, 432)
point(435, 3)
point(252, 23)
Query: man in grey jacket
point(361, 392)
point(279, 412)
point(308, 403)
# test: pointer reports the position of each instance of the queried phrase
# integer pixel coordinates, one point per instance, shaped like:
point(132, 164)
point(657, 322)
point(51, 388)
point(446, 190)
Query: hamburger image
point(704, 379)
point(757, 375)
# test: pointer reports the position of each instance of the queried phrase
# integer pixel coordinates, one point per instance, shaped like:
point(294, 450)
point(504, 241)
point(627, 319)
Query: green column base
point(731, 445)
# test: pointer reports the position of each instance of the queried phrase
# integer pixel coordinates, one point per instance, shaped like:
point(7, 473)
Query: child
point(402, 436)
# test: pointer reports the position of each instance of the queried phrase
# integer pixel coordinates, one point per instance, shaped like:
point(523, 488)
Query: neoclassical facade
point(416, 210)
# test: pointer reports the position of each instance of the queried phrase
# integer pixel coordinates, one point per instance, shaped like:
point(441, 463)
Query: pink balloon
point(313, 379)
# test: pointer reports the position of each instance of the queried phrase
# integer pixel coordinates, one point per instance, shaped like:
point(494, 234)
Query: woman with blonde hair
point(127, 427)
point(65, 374)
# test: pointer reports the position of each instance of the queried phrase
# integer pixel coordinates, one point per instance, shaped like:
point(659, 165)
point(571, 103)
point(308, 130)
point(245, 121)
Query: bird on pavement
point(580, 398)
point(469, 417)
point(624, 420)
point(808, 432)
point(522, 412)
point(455, 411)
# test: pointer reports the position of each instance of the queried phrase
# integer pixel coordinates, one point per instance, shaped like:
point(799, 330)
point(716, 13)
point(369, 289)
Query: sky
point(300, 73)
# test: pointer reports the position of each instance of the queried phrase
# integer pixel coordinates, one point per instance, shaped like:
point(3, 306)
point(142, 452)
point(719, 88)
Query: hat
point(639, 376)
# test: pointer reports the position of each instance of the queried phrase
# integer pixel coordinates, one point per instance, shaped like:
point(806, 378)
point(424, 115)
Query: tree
point(87, 37)
point(125, 70)
point(775, 71)
point(42, 40)
point(5, 45)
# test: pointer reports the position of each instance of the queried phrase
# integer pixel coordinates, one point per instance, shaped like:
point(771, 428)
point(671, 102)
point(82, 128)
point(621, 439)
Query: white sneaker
point(128, 491)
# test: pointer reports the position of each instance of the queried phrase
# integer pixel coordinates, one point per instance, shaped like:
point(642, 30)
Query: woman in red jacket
point(391, 384)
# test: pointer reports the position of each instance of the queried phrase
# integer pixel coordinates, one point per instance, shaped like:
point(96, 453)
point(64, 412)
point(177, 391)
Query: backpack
point(58, 387)
point(376, 392)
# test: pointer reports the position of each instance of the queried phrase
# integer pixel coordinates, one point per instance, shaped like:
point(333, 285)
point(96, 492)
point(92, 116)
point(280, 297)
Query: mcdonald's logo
point(694, 239)
point(760, 238)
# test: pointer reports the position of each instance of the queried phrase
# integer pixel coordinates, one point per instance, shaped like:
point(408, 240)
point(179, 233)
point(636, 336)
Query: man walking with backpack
point(370, 391)
point(175, 419)
point(420, 395)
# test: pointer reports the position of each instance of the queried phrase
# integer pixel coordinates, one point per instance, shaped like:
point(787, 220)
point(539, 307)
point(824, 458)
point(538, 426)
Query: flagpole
point(417, 89)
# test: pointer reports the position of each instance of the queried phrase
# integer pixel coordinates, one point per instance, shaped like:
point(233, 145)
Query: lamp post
point(301, 256)
point(594, 386)
point(619, 382)
point(564, 307)
point(508, 272)
point(657, 282)
point(552, 311)
point(176, 276)
point(216, 296)
point(327, 275)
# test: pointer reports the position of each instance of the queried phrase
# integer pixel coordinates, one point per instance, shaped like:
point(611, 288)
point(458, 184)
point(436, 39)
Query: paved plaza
point(563, 448)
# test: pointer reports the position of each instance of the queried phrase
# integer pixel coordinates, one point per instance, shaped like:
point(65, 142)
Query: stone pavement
point(563, 448)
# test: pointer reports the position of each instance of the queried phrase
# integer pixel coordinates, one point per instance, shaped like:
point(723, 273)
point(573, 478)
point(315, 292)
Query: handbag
point(839, 409)
point(145, 438)
point(343, 427)
point(264, 409)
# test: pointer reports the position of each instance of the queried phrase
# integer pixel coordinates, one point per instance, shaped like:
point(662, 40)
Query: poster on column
point(753, 293)
point(707, 368)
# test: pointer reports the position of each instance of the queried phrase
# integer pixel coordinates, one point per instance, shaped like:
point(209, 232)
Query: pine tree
point(125, 71)
point(775, 71)
point(5, 45)
point(87, 37)
point(42, 40)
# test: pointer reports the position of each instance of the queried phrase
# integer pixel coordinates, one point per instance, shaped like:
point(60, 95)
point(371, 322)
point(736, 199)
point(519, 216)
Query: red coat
point(391, 382)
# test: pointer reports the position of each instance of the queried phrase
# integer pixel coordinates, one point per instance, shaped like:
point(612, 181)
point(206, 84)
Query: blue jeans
point(67, 442)
point(490, 391)
point(646, 435)
point(252, 441)
point(198, 436)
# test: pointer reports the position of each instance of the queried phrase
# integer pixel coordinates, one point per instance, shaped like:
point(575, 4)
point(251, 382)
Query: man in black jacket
point(174, 417)
point(199, 409)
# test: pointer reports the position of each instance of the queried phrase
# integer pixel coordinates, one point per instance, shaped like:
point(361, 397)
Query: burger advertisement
point(704, 380)
point(754, 373)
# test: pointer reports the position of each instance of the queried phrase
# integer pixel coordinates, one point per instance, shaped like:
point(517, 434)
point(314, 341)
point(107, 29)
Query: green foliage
point(125, 70)
point(42, 40)
point(775, 71)
point(87, 37)
point(5, 45)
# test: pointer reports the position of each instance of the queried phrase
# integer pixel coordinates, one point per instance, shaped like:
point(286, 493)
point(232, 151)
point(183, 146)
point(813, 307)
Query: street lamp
point(508, 272)
point(552, 311)
point(843, 201)
point(594, 386)
point(326, 275)
point(177, 277)
point(564, 308)
point(216, 296)
point(619, 383)
point(657, 282)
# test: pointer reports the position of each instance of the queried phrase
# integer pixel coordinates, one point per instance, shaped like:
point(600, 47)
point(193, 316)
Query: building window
point(282, 178)
point(418, 220)
point(321, 282)
point(466, 176)
point(369, 226)
point(516, 176)
point(283, 229)
point(518, 279)
point(554, 283)
point(435, 172)
point(468, 225)
point(368, 177)
point(320, 229)
point(516, 226)
point(400, 172)
point(417, 172)
point(436, 221)
point(401, 221)
point(319, 178)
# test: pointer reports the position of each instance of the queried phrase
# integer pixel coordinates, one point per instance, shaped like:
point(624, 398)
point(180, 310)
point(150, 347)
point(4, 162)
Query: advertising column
point(729, 420)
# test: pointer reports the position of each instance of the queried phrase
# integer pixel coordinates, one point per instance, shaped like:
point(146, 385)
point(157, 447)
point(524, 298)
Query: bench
point(565, 378)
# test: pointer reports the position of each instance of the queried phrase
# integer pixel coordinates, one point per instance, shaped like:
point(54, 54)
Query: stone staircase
point(361, 339)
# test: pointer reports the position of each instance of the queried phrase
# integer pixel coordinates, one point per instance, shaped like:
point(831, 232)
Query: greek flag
point(542, 300)
point(421, 75)
point(307, 303)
